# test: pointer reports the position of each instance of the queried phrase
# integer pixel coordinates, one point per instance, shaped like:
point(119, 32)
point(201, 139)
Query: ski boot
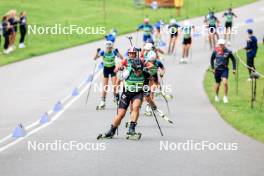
point(109, 135)
point(162, 115)
point(101, 106)
point(131, 134)
point(148, 111)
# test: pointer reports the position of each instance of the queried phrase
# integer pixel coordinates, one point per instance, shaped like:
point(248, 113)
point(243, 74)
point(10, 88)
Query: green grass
point(120, 14)
point(238, 112)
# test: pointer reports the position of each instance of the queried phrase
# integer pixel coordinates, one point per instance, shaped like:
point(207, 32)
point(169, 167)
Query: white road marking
point(53, 119)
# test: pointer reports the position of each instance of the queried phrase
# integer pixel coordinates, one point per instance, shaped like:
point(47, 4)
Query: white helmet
point(221, 42)
point(173, 21)
point(152, 56)
point(109, 44)
point(148, 46)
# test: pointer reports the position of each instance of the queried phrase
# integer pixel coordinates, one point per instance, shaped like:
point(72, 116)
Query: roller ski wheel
point(133, 136)
point(102, 136)
point(169, 96)
point(127, 124)
point(166, 118)
point(148, 114)
point(99, 108)
point(183, 61)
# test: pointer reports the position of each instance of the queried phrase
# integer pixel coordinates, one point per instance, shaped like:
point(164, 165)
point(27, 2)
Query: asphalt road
point(32, 87)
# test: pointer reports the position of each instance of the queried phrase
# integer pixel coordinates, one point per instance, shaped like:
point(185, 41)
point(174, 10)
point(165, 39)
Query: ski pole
point(130, 40)
point(237, 76)
point(167, 103)
point(262, 101)
point(156, 120)
point(89, 90)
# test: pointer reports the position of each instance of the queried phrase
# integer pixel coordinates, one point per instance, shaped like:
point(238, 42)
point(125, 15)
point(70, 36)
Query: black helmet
point(137, 64)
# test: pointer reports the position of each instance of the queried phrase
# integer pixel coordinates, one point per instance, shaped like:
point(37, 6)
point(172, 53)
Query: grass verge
point(238, 111)
point(120, 14)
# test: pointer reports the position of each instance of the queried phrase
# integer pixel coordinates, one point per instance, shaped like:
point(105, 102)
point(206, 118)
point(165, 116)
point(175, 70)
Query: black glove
point(154, 108)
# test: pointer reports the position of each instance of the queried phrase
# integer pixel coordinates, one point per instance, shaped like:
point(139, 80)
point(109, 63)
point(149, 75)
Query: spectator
point(13, 20)
point(22, 29)
point(251, 49)
point(5, 28)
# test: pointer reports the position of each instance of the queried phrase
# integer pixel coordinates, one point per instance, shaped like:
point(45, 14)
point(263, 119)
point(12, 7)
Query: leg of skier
point(104, 92)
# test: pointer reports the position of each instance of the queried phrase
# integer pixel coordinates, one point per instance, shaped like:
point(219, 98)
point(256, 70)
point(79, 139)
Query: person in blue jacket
point(251, 50)
point(147, 30)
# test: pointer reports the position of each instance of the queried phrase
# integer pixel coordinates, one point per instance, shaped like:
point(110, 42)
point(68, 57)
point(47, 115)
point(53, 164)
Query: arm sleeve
point(248, 44)
point(233, 59)
point(160, 65)
point(212, 59)
point(116, 52)
point(140, 26)
point(101, 53)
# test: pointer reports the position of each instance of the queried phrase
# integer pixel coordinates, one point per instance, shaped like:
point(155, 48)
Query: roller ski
point(148, 111)
point(109, 135)
point(162, 115)
point(166, 96)
point(101, 106)
point(131, 134)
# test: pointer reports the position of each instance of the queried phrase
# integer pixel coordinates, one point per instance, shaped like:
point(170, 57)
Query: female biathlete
point(229, 15)
point(109, 56)
point(147, 29)
point(173, 31)
point(136, 87)
point(212, 23)
point(187, 30)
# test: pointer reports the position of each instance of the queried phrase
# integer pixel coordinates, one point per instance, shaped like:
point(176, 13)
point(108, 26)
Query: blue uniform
point(147, 30)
